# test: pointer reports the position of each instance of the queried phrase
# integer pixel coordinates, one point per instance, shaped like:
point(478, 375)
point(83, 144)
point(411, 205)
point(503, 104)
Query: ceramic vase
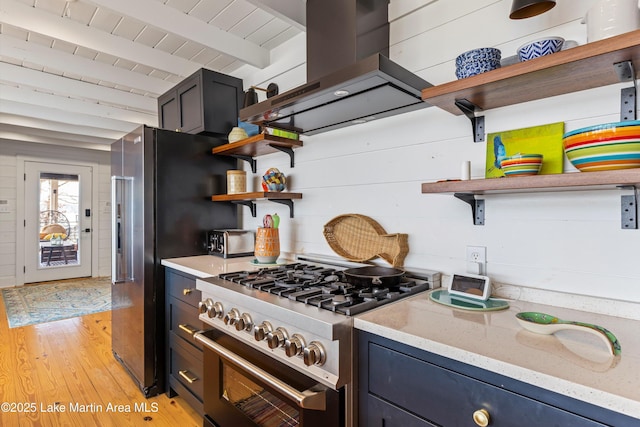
point(237, 134)
point(267, 245)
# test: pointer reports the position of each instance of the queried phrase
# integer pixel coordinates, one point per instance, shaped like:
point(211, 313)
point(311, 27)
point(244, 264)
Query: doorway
point(58, 221)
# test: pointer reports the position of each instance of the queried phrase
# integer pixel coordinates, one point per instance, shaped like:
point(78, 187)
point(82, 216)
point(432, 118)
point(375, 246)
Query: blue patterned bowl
point(477, 61)
point(479, 55)
point(472, 68)
point(541, 47)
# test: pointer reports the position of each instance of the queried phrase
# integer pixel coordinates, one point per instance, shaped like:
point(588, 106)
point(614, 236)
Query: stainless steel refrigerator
point(161, 187)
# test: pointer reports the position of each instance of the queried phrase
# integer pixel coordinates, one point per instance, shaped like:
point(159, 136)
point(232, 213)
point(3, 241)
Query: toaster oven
point(230, 243)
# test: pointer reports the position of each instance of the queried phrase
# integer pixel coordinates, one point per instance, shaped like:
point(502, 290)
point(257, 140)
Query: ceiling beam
point(37, 20)
point(181, 24)
point(61, 116)
point(16, 133)
point(72, 106)
point(49, 125)
point(76, 88)
point(24, 51)
point(293, 12)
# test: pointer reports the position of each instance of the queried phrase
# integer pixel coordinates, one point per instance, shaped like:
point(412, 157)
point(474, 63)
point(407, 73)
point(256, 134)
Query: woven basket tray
point(360, 238)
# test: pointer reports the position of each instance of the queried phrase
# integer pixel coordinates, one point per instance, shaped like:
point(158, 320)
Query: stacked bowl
point(521, 164)
point(477, 61)
point(609, 146)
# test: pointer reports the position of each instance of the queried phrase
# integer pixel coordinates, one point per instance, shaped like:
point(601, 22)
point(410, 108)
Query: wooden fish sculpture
point(359, 238)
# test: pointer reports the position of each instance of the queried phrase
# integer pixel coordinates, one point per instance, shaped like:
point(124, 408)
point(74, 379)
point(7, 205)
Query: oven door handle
point(312, 398)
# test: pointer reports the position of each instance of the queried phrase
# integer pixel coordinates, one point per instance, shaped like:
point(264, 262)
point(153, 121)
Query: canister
point(236, 181)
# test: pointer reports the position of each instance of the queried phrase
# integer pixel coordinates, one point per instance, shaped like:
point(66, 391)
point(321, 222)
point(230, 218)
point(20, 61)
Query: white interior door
point(58, 221)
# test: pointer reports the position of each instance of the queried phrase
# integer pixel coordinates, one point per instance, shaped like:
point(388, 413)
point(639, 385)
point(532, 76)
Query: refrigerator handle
point(121, 243)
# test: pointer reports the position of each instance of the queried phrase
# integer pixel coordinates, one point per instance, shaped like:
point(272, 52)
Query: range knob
point(215, 310)
point(277, 338)
point(203, 306)
point(244, 323)
point(231, 317)
point(294, 346)
point(260, 331)
point(314, 354)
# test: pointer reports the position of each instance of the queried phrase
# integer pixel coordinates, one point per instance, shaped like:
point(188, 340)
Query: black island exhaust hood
point(350, 78)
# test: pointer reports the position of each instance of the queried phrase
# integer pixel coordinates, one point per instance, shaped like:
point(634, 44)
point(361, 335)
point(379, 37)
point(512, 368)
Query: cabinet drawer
point(182, 287)
point(445, 397)
point(184, 321)
point(186, 365)
point(383, 414)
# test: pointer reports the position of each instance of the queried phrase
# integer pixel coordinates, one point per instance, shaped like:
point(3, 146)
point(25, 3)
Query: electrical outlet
point(477, 259)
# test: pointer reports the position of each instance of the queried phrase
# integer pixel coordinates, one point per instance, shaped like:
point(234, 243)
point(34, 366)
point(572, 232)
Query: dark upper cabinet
point(207, 102)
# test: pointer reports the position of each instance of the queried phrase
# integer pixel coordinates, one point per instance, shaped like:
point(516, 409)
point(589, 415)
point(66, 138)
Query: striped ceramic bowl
point(604, 147)
point(541, 47)
point(521, 164)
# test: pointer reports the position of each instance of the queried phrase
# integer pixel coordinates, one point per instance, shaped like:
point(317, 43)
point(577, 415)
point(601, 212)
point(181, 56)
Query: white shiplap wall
point(569, 242)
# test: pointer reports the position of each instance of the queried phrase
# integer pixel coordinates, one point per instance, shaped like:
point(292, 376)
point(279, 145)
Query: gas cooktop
point(324, 287)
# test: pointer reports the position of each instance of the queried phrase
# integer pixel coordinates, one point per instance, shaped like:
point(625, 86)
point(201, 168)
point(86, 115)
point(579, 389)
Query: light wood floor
point(68, 365)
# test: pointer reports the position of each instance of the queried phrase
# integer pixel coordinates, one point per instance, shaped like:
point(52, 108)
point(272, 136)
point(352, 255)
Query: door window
point(57, 211)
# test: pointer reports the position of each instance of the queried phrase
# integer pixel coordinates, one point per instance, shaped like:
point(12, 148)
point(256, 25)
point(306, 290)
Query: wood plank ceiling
point(83, 73)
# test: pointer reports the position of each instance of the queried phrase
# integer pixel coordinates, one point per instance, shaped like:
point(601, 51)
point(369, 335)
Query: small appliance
point(229, 243)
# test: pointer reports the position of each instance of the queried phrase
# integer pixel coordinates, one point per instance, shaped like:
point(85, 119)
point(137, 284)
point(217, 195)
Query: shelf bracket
point(286, 150)
point(247, 159)
point(287, 202)
point(477, 123)
point(629, 210)
point(248, 203)
point(628, 95)
point(477, 206)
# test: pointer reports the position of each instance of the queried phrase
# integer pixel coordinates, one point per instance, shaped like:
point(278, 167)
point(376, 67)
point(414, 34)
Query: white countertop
point(573, 363)
point(203, 266)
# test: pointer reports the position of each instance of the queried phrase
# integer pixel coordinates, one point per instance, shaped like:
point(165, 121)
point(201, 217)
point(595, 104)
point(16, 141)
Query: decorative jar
point(267, 245)
point(236, 181)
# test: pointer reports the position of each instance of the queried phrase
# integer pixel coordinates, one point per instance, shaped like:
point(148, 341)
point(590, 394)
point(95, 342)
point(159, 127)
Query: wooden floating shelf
point(268, 195)
point(249, 199)
point(257, 145)
point(554, 182)
point(579, 68)
point(468, 190)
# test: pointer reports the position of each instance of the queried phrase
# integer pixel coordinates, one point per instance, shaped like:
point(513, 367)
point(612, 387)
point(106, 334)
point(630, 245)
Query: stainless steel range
point(286, 331)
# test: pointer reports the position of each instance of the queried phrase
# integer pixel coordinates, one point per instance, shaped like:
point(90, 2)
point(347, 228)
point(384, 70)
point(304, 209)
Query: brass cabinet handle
point(481, 417)
point(188, 376)
point(188, 328)
point(186, 291)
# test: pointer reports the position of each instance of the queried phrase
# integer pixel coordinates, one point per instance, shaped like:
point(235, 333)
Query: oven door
point(244, 387)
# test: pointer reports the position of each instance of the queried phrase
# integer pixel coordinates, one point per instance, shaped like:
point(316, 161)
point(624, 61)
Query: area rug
point(40, 303)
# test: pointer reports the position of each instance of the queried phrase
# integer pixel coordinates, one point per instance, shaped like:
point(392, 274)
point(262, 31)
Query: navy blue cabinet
point(184, 355)
point(404, 386)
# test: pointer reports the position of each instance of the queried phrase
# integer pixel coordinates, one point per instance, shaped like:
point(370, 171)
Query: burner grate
point(323, 287)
